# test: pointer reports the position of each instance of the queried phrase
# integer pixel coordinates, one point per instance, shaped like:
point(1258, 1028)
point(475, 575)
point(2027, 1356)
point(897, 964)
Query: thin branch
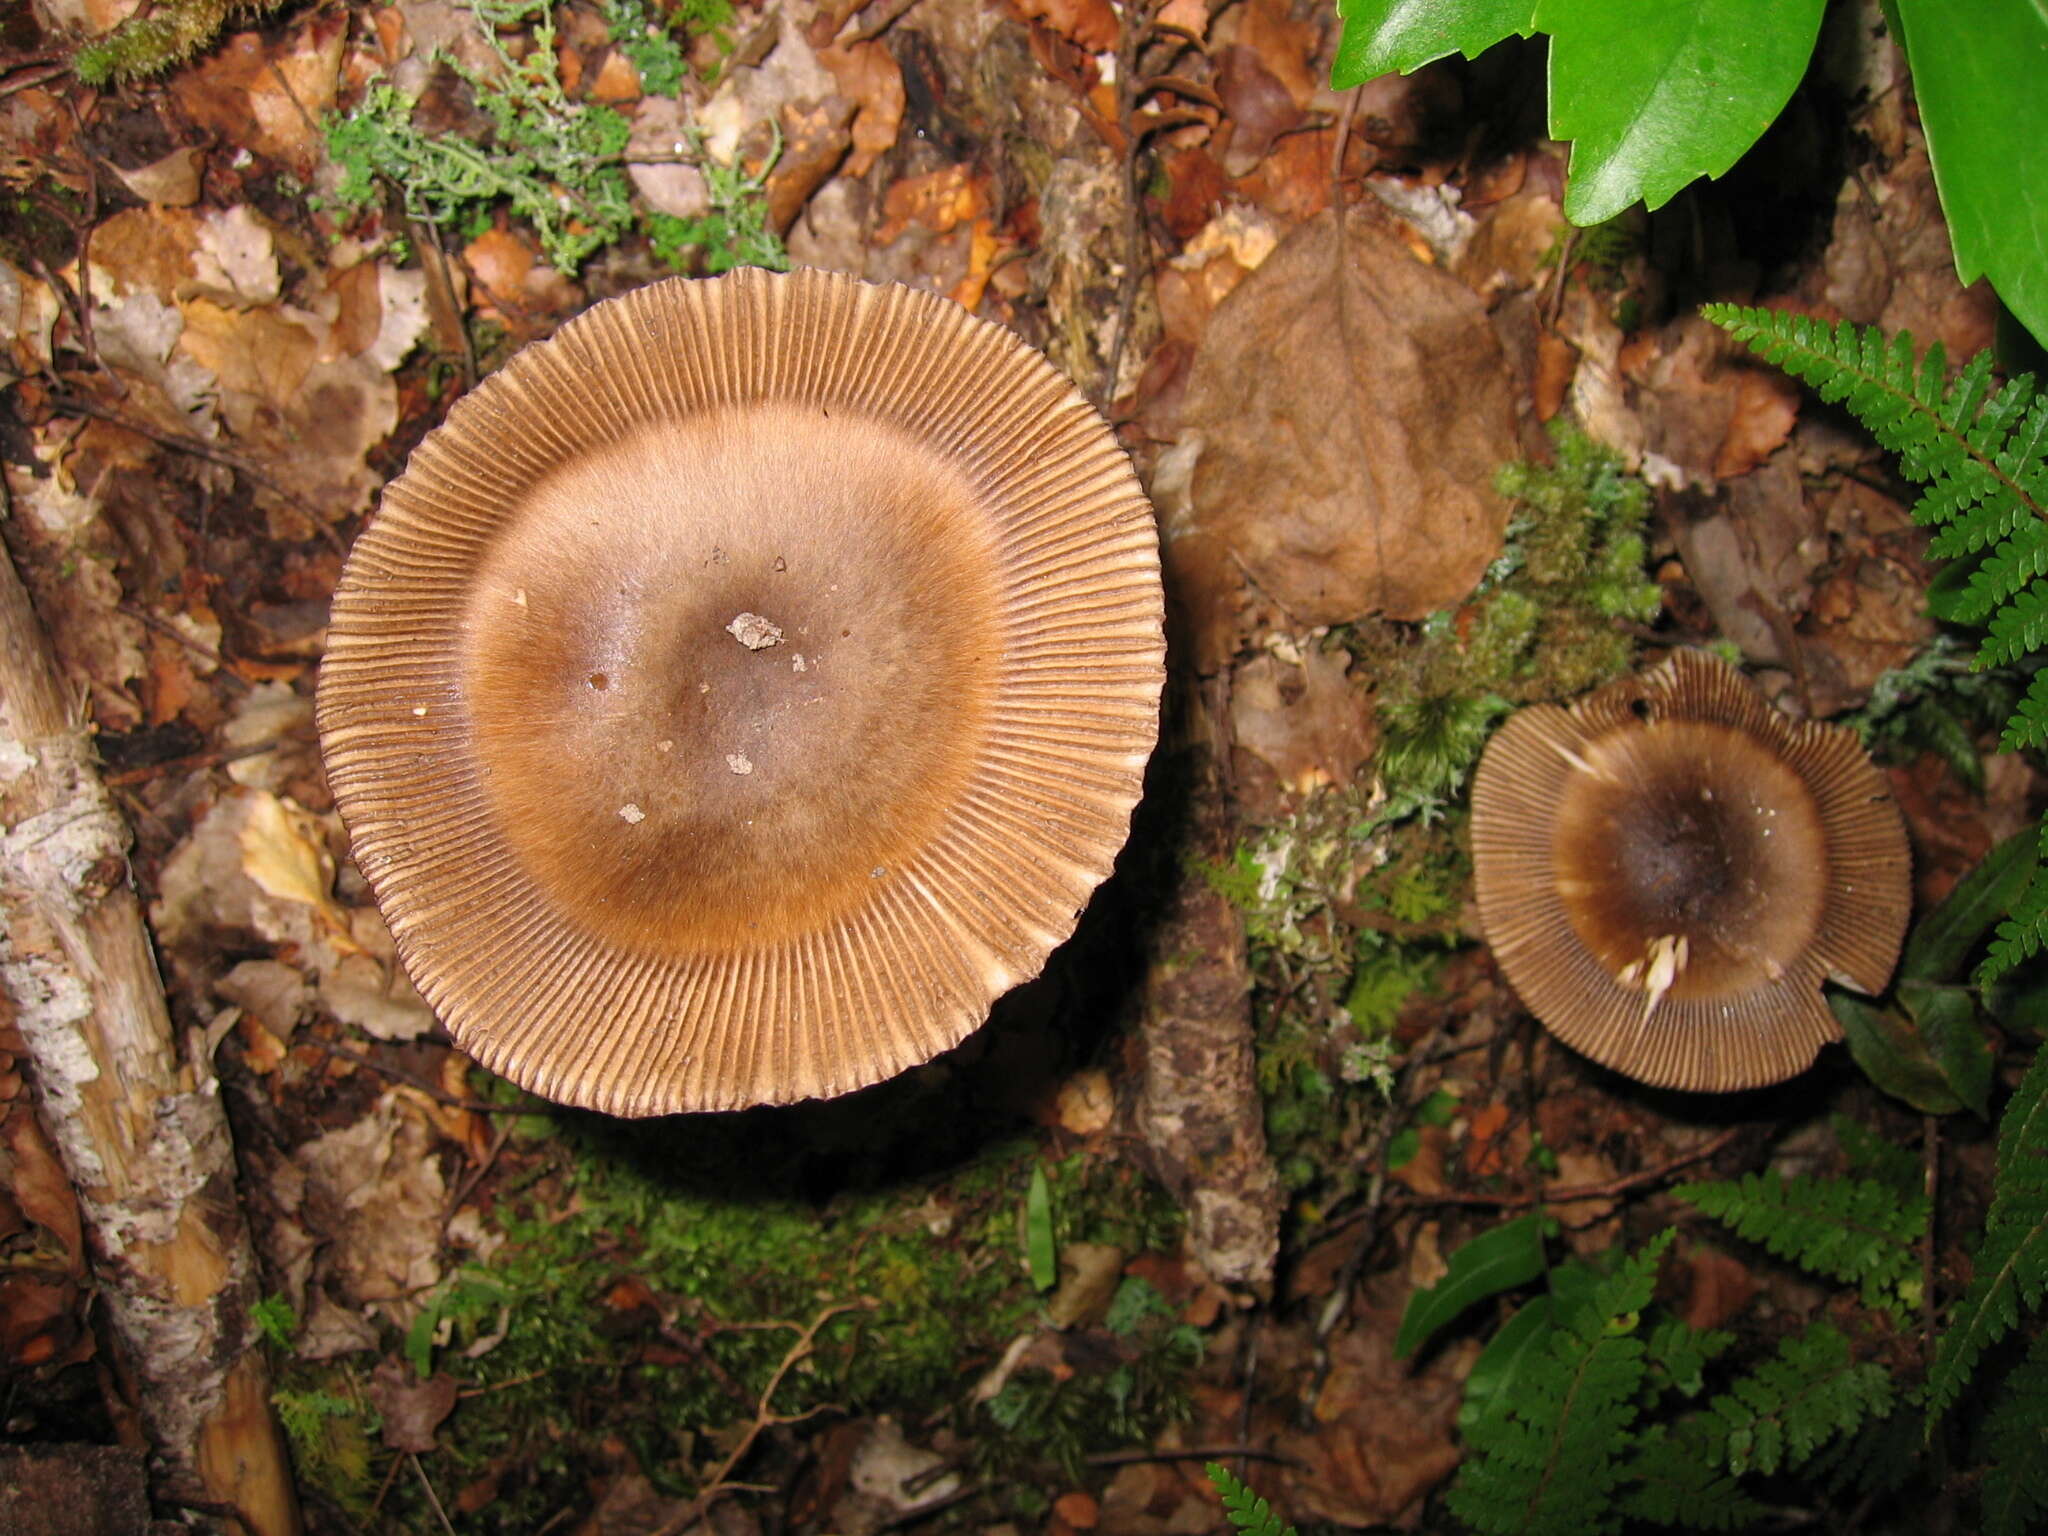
point(65, 404)
point(414, 1080)
point(1571, 1194)
point(764, 1416)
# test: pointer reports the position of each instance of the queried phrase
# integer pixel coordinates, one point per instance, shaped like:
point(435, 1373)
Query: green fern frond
point(2029, 724)
point(2017, 629)
point(1550, 1464)
point(1247, 1511)
point(2023, 935)
point(1781, 1413)
point(1858, 1231)
point(2013, 1443)
point(2012, 1259)
point(1873, 1156)
point(1982, 453)
point(1878, 1458)
point(1678, 1479)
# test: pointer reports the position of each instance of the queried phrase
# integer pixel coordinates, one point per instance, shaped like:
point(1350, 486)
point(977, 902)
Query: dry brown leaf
point(1717, 1286)
point(1383, 1434)
point(40, 1186)
point(1556, 361)
point(513, 285)
point(1089, 1275)
point(617, 80)
point(374, 1189)
point(1089, 23)
point(1305, 720)
point(1288, 47)
point(268, 95)
point(171, 180)
point(1765, 408)
point(870, 77)
point(939, 202)
point(412, 1410)
point(1256, 105)
point(1357, 478)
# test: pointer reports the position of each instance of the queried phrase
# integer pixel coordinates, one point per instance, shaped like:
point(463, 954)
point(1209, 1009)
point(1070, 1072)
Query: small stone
point(754, 632)
point(738, 762)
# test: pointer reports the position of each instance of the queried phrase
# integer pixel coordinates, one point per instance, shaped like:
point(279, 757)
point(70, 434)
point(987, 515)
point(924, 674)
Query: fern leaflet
point(1859, 1231)
point(2012, 1260)
point(2024, 933)
point(1549, 1465)
point(1248, 1512)
point(2014, 1444)
point(1679, 1480)
point(1982, 453)
point(1786, 1409)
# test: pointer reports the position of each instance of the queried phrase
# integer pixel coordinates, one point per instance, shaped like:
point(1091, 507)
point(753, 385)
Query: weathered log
point(141, 1130)
point(1198, 1108)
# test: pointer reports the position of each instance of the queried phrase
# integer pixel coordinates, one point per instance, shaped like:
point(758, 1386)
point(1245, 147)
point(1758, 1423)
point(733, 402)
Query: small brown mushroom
point(1670, 868)
point(742, 689)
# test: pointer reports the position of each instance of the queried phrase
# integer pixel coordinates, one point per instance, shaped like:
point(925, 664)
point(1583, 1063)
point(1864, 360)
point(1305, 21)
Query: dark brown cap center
point(1694, 831)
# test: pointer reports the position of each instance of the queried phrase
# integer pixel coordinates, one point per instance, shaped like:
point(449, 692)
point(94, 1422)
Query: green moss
point(172, 32)
point(1546, 622)
point(634, 1274)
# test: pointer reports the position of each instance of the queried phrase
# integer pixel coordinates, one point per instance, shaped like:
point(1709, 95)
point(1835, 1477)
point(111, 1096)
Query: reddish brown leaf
point(1091, 24)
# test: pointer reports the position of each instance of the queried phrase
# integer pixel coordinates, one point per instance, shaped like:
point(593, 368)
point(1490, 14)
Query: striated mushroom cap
point(1669, 869)
point(742, 689)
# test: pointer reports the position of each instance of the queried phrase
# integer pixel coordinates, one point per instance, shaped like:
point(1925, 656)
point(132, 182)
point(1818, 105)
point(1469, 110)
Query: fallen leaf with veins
point(1356, 479)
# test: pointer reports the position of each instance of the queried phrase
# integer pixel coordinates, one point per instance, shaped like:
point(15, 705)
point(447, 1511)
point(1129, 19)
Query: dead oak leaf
point(1356, 479)
point(268, 96)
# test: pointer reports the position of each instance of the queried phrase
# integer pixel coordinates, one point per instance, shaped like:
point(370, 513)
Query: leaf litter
point(214, 368)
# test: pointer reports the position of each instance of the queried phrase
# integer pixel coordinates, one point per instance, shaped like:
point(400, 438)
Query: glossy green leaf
point(1508, 1256)
point(1038, 1244)
point(1892, 1054)
point(1946, 1017)
point(1507, 1354)
point(1385, 36)
point(1653, 93)
point(1981, 76)
point(1939, 947)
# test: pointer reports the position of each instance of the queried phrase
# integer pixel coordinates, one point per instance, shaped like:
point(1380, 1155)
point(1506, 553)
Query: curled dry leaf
point(1305, 720)
point(411, 1410)
point(1357, 478)
point(374, 1190)
point(870, 77)
point(1091, 24)
point(268, 95)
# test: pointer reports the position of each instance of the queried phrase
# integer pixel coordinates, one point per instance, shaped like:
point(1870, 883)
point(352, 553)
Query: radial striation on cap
point(742, 689)
point(1669, 869)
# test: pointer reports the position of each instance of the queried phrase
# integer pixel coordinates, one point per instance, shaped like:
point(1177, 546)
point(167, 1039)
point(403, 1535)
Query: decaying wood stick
point(1198, 1108)
point(141, 1131)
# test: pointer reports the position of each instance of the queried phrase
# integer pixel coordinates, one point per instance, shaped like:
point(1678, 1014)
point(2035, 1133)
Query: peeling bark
point(141, 1132)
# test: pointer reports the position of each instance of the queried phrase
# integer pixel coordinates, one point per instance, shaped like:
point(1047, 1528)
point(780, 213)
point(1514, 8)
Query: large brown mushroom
point(1670, 868)
point(742, 689)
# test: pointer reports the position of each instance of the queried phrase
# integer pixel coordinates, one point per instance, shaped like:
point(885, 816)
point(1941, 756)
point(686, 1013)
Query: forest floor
point(232, 301)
